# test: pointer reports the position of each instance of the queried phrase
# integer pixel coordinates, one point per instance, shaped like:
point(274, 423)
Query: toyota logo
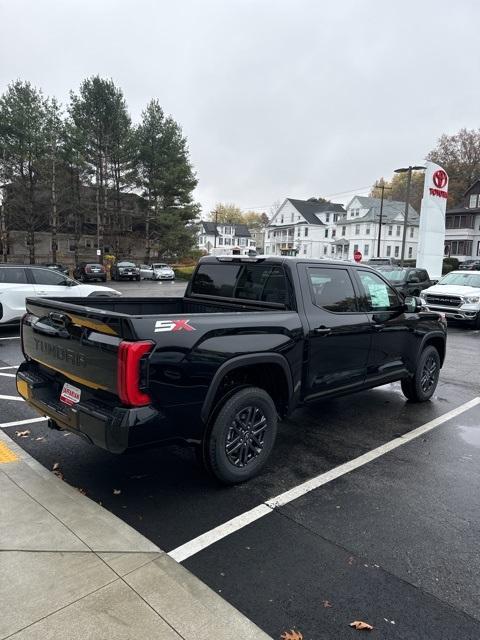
point(440, 178)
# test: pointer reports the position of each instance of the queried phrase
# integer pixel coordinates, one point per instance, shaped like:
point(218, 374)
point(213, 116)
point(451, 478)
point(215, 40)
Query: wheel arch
point(438, 341)
point(274, 377)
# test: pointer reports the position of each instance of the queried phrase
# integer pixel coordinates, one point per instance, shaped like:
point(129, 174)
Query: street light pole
point(382, 187)
point(408, 171)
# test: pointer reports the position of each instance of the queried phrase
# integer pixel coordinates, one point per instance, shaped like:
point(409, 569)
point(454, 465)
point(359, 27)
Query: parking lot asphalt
point(393, 542)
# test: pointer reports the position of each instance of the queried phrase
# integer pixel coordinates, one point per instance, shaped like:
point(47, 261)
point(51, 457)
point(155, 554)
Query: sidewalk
point(70, 569)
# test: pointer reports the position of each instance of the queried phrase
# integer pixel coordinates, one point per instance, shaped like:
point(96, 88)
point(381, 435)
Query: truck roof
point(280, 260)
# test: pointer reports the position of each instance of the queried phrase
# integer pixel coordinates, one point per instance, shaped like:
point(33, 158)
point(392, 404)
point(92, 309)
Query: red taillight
point(24, 318)
point(87, 269)
point(130, 355)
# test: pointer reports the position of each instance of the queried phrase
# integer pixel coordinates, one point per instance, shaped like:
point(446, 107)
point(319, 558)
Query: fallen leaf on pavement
point(22, 434)
point(82, 491)
point(291, 635)
point(56, 465)
point(117, 492)
point(327, 604)
point(40, 438)
point(360, 626)
point(59, 474)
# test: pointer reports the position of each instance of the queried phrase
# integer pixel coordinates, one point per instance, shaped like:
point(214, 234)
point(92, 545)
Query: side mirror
point(413, 304)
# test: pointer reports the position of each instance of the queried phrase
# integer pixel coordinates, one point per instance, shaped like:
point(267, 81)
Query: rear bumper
point(114, 429)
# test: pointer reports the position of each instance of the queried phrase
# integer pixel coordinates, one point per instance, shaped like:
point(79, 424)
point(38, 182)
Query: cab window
point(378, 295)
point(332, 289)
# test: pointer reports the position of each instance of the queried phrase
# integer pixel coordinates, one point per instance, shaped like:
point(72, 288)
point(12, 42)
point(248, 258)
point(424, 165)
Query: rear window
point(13, 275)
point(246, 281)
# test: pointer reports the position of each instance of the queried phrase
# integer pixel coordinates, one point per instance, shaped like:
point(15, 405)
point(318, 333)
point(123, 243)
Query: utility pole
point(408, 171)
point(215, 233)
point(382, 187)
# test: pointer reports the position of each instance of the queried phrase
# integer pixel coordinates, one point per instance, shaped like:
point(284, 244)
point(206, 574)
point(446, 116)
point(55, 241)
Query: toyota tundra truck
point(251, 340)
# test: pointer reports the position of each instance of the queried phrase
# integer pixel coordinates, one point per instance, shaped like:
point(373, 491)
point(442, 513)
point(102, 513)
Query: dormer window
point(473, 203)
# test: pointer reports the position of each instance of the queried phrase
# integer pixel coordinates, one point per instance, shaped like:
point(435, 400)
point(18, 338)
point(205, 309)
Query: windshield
point(126, 264)
point(161, 266)
point(394, 275)
point(462, 279)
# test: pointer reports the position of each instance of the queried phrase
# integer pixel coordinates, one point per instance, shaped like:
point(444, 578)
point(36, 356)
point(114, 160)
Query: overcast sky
point(277, 98)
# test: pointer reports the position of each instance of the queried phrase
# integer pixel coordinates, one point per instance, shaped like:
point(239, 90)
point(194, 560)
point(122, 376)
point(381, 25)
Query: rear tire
point(242, 436)
point(422, 385)
point(476, 322)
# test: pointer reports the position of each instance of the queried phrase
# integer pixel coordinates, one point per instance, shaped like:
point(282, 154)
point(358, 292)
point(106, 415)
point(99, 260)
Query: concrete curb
point(70, 540)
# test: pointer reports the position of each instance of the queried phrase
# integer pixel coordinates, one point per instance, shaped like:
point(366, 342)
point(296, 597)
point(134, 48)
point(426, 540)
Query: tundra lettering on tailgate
point(60, 353)
point(173, 325)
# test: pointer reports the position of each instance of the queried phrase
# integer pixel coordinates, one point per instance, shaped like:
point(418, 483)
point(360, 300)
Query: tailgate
point(79, 342)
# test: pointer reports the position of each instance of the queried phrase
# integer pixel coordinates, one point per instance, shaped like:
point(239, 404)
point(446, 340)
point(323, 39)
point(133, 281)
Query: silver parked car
point(157, 271)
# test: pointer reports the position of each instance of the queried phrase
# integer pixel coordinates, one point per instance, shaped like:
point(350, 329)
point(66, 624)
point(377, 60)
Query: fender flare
point(243, 361)
point(427, 338)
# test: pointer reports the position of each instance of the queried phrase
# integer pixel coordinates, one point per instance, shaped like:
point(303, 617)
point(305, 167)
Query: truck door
point(339, 332)
point(392, 338)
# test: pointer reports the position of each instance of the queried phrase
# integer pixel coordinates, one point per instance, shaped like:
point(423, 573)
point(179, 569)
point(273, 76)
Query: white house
point(225, 239)
point(462, 233)
point(304, 228)
point(358, 229)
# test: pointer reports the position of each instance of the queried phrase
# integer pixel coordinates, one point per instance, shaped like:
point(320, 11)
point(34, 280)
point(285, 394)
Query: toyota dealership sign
point(431, 240)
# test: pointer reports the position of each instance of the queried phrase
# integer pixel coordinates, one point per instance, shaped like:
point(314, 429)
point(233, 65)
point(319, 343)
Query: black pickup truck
point(252, 339)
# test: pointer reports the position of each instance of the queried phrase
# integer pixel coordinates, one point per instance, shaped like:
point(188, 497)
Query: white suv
point(18, 282)
point(457, 295)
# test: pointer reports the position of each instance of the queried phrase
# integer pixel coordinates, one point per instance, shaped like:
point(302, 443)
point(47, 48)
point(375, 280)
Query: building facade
point(462, 227)
point(325, 229)
point(359, 228)
point(225, 239)
point(304, 228)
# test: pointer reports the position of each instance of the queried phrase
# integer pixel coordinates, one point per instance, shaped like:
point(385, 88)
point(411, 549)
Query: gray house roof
point(309, 209)
point(241, 230)
point(391, 209)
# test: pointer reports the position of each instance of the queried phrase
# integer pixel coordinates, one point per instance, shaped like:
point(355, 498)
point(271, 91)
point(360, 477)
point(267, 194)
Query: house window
point(459, 247)
point(281, 220)
point(326, 233)
point(365, 250)
point(367, 230)
point(291, 217)
point(412, 229)
point(88, 243)
point(220, 241)
point(298, 231)
point(243, 242)
point(325, 249)
point(473, 201)
point(357, 229)
point(344, 230)
point(357, 213)
point(389, 251)
point(390, 230)
point(333, 249)
point(410, 252)
point(72, 245)
point(334, 233)
point(327, 217)
point(306, 232)
point(460, 222)
point(399, 229)
point(335, 217)
point(304, 248)
point(355, 248)
point(397, 251)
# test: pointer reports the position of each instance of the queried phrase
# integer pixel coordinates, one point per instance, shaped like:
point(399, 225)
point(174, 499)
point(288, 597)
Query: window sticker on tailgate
point(70, 394)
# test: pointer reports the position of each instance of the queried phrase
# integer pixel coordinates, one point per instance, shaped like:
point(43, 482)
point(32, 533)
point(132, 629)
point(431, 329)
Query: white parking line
point(8, 375)
point(214, 535)
point(12, 398)
point(17, 423)
point(11, 338)
point(12, 367)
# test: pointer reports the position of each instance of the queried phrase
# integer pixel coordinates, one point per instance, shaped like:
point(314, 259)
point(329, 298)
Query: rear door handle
point(324, 331)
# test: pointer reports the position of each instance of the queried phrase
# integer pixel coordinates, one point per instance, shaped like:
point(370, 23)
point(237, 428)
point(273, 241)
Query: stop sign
point(357, 256)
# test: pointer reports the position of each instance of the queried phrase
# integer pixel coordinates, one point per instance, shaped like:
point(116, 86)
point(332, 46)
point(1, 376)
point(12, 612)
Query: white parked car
point(157, 271)
point(457, 295)
point(18, 282)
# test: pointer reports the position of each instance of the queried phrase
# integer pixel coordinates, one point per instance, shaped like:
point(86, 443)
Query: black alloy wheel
point(242, 436)
point(421, 386)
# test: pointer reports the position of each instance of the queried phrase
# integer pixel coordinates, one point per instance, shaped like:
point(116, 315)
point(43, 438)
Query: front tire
point(242, 436)
point(476, 322)
point(422, 385)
